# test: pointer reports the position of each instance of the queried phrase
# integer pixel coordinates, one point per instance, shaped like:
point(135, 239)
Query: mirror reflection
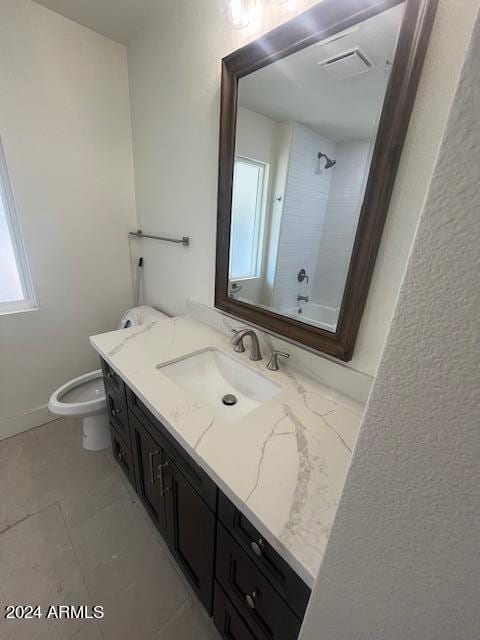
point(306, 129)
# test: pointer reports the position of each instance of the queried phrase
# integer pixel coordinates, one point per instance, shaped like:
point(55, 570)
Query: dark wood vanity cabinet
point(122, 455)
point(150, 461)
point(182, 516)
point(252, 593)
point(190, 533)
point(260, 605)
point(117, 413)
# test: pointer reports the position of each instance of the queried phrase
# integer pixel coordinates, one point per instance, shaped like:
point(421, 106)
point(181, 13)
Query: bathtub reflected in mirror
point(305, 133)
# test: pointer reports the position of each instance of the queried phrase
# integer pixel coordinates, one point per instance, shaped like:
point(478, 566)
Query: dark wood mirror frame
point(319, 22)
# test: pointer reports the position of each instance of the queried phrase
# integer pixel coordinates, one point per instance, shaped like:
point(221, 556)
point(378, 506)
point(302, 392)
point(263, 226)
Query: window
point(16, 293)
point(248, 218)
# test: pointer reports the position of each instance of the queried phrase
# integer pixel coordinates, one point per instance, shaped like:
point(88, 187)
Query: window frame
point(260, 216)
point(28, 302)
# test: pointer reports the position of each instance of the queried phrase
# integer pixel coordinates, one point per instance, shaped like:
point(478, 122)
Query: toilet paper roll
point(140, 315)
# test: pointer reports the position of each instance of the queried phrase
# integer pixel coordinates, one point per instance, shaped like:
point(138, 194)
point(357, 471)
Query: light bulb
point(279, 3)
point(237, 13)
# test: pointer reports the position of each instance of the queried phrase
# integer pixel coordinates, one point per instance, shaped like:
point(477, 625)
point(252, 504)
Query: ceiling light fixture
point(237, 13)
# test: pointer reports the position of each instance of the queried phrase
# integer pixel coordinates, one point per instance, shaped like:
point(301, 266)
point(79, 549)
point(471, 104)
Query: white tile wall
point(343, 208)
point(304, 208)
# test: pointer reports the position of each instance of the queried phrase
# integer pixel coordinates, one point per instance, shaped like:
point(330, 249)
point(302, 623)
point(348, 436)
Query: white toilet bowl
point(84, 397)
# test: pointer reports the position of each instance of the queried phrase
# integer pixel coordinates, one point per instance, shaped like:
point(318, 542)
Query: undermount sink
point(229, 387)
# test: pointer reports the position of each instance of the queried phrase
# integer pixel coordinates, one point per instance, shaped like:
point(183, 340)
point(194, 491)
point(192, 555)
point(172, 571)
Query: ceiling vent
point(347, 64)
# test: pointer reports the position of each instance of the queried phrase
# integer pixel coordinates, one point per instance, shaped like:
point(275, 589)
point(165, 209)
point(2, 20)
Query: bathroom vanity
point(244, 503)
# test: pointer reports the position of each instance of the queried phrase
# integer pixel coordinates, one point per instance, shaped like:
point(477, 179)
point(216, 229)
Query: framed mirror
point(313, 120)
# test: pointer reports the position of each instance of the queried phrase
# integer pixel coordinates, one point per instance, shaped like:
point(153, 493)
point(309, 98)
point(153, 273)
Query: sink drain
point(229, 400)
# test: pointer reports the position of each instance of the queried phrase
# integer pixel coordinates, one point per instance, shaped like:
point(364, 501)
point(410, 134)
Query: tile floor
point(72, 532)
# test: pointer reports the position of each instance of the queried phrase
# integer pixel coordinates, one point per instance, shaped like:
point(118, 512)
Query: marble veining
point(283, 464)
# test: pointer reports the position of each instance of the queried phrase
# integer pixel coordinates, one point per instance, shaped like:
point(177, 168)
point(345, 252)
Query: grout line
point(170, 619)
point(33, 513)
point(22, 433)
point(78, 564)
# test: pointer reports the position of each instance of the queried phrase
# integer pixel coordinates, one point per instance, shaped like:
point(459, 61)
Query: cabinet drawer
point(197, 477)
point(228, 621)
point(117, 413)
point(113, 378)
point(122, 455)
point(288, 584)
point(264, 611)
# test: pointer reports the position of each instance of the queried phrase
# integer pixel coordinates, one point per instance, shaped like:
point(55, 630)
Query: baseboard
point(24, 421)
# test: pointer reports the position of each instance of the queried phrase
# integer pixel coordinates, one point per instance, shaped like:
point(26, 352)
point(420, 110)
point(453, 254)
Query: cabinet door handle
point(161, 467)
point(115, 412)
point(151, 455)
point(257, 547)
point(109, 375)
point(250, 598)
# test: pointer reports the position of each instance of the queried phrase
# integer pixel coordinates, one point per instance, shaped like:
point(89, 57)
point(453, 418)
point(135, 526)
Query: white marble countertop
point(283, 464)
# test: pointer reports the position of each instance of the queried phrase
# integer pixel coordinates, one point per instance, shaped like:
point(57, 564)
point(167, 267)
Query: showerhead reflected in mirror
point(305, 135)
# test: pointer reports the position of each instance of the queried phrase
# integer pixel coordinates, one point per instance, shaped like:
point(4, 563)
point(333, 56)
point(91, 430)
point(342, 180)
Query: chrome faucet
point(238, 346)
point(302, 298)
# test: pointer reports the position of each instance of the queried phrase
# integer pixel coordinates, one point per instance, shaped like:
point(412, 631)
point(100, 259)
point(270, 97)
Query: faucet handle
point(273, 362)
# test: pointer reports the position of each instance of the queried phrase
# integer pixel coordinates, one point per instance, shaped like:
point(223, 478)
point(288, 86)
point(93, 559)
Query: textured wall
point(403, 560)
point(175, 114)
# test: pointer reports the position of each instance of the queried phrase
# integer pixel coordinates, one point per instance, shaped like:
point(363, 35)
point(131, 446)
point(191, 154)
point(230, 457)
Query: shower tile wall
point(343, 209)
point(305, 203)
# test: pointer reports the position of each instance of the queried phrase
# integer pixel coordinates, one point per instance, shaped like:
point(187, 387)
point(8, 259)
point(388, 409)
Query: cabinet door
point(149, 468)
point(191, 533)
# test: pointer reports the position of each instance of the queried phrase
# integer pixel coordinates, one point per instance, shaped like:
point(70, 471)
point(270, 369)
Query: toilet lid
point(84, 392)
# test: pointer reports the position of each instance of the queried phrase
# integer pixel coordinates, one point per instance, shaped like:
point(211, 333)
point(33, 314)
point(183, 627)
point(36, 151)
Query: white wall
point(304, 208)
point(64, 121)
point(256, 136)
point(257, 140)
point(402, 561)
point(175, 115)
point(349, 177)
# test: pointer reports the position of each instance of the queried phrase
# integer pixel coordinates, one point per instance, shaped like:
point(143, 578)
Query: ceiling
point(298, 88)
point(118, 20)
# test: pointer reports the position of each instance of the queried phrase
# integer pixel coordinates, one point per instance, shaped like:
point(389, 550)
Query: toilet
point(84, 397)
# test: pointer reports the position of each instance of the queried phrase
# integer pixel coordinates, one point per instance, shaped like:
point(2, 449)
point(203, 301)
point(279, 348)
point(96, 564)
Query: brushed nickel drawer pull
point(161, 467)
point(250, 598)
point(257, 547)
point(151, 455)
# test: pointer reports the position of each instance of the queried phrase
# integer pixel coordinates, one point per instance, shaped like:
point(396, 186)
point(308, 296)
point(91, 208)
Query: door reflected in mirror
point(306, 130)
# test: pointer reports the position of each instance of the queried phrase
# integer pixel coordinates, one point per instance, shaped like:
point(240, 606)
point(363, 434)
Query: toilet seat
point(81, 396)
